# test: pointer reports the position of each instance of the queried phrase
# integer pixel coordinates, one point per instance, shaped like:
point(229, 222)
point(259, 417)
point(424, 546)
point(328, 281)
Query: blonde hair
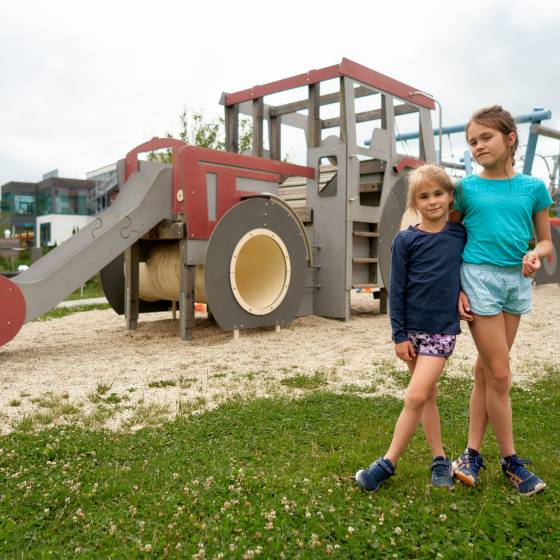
point(420, 175)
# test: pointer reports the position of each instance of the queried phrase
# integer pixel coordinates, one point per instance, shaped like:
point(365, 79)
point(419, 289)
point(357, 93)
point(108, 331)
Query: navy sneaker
point(371, 479)
point(523, 480)
point(442, 473)
point(467, 466)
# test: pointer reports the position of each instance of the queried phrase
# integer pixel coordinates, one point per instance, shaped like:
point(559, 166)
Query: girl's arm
point(397, 299)
point(543, 248)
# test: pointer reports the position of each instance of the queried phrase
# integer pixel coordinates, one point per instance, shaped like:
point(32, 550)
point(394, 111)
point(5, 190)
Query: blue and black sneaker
point(371, 479)
point(442, 473)
point(523, 480)
point(467, 466)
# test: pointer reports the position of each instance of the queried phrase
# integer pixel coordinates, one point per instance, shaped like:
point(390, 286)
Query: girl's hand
point(464, 307)
point(531, 263)
point(405, 351)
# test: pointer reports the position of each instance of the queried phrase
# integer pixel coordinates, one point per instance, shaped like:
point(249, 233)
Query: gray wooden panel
point(330, 233)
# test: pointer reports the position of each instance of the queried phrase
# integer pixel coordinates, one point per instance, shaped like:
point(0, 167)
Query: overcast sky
point(83, 83)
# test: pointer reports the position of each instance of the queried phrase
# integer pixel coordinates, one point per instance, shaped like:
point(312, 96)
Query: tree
point(197, 130)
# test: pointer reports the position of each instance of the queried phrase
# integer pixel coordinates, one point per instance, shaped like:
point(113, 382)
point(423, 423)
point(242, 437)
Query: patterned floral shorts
point(428, 344)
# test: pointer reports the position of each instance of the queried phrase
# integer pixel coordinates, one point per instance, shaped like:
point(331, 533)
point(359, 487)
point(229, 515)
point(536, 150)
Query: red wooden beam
point(346, 68)
point(384, 83)
point(311, 77)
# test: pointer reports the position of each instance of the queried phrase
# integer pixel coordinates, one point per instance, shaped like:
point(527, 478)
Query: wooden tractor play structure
point(259, 240)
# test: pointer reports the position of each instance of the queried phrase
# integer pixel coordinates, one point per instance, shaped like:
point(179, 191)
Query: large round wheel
point(255, 269)
point(12, 304)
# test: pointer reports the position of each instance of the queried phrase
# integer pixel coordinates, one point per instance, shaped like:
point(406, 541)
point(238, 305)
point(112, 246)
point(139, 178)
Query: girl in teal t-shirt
point(500, 209)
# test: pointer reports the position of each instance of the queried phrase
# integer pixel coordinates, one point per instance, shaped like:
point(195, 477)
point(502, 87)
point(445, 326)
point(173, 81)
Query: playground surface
point(104, 374)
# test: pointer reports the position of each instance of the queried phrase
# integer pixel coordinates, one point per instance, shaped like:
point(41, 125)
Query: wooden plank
point(304, 214)
point(342, 120)
point(186, 294)
point(372, 166)
point(374, 115)
point(313, 120)
point(131, 286)
point(232, 128)
point(327, 99)
point(301, 203)
point(258, 127)
point(366, 234)
point(274, 138)
point(365, 260)
point(370, 187)
point(292, 197)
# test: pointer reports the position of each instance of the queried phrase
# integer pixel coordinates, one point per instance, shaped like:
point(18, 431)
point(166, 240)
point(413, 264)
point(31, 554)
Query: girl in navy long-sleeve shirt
point(423, 294)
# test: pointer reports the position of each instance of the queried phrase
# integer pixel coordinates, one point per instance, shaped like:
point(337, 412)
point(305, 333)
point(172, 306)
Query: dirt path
point(86, 357)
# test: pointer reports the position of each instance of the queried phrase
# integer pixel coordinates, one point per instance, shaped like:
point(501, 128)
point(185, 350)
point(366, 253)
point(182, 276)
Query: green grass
point(162, 383)
point(272, 478)
point(63, 311)
point(318, 379)
point(92, 289)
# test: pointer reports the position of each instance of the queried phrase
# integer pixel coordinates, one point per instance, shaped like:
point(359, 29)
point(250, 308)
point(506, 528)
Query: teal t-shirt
point(498, 216)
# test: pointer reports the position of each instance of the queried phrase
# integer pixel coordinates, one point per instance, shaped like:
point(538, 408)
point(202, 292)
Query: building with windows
point(106, 187)
point(45, 213)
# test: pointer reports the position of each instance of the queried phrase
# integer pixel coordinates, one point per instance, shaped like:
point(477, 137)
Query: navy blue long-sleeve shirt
point(425, 281)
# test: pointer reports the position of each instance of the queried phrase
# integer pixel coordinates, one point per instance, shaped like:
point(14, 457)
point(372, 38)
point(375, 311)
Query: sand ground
point(72, 357)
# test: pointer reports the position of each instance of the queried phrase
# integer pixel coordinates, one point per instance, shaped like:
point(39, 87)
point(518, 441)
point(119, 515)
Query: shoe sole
point(465, 478)
point(538, 488)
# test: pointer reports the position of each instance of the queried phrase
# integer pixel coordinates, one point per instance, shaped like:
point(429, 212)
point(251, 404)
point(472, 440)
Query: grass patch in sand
point(318, 379)
point(147, 414)
point(59, 312)
point(273, 478)
point(162, 384)
point(352, 388)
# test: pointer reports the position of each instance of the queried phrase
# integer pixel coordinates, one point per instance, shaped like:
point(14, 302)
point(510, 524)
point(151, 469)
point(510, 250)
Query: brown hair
point(499, 119)
point(428, 172)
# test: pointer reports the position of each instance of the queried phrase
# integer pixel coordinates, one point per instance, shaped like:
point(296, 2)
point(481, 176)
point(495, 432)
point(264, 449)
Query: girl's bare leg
point(490, 336)
point(419, 391)
point(478, 416)
point(430, 420)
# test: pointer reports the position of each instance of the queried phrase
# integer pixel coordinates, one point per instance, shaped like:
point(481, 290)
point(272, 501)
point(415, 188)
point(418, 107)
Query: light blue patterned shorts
point(493, 289)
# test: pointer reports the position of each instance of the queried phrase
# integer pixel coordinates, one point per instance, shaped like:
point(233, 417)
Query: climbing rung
point(366, 234)
point(365, 260)
point(362, 286)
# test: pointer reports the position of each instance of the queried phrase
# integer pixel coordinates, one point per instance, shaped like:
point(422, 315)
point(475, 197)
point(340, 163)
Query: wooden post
point(274, 137)
point(258, 109)
point(313, 120)
point(343, 113)
point(131, 285)
point(186, 295)
point(232, 128)
point(383, 301)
